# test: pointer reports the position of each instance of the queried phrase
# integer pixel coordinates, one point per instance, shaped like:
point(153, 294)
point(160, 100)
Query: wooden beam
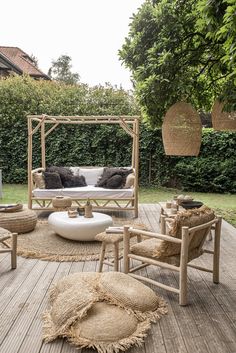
point(154, 262)
point(155, 283)
point(155, 235)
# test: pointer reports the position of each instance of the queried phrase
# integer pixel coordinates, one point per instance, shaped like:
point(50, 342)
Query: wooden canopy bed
point(110, 199)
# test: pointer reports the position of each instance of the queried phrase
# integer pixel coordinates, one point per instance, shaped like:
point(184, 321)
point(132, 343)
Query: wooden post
point(126, 249)
point(216, 257)
point(136, 137)
point(116, 257)
point(102, 255)
point(29, 163)
point(133, 147)
point(13, 252)
point(43, 158)
point(163, 224)
point(183, 266)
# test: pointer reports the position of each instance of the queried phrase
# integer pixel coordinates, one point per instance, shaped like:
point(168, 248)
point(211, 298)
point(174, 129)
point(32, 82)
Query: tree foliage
point(61, 70)
point(218, 22)
point(173, 56)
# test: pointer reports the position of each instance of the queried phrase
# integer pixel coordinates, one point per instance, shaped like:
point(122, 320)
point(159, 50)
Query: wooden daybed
point(101, 198)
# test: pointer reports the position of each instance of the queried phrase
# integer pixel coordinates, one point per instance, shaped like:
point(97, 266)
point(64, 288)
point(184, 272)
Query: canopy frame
point(47, 123)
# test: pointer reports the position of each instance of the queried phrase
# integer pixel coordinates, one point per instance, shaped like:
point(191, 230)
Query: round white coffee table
point(79, 228)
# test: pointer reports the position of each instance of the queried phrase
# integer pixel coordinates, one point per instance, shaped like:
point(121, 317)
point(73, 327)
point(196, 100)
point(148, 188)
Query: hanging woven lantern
point(182, 130)
point(222, 120)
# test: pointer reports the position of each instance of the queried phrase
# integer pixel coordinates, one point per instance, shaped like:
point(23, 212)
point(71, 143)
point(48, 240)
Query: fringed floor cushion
point(105, 311)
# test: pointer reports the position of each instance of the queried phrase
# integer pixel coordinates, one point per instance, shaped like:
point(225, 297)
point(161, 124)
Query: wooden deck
point(207, 324)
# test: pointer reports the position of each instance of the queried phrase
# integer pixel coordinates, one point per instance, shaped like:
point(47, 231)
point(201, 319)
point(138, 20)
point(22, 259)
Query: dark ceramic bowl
point(191, 204)
point(81, 211)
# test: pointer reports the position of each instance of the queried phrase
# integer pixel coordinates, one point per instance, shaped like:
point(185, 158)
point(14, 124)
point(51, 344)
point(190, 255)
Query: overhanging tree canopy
point(172, 57)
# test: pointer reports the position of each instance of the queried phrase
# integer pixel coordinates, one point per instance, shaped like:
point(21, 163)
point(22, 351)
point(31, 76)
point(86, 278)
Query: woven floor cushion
point(18, 222)
point(101, 311)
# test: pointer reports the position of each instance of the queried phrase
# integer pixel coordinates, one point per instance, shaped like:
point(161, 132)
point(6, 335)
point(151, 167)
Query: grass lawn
point(224, 204)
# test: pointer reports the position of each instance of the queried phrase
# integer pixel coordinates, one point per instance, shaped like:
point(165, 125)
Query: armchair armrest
point(153, 235)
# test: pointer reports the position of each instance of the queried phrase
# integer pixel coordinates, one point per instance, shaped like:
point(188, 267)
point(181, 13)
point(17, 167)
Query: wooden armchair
point(4, 235)
point(174, 251)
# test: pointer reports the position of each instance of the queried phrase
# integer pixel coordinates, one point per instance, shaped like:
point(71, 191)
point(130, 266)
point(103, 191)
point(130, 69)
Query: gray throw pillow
point(52, 181)
point(64, 172)
point(74, 181)
point(115, 182)
point(110, 172)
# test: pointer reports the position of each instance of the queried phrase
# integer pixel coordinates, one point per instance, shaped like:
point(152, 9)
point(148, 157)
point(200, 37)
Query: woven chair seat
point(112, 238)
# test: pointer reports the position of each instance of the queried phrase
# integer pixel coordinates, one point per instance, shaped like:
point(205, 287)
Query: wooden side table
point(167, 211)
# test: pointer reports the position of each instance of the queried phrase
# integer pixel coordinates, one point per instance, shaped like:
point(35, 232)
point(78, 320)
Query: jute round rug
point(43, 243)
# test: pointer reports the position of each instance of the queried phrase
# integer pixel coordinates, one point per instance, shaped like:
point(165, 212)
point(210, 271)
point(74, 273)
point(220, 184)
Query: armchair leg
point(183, 267)
point(216, 258)
point(126, 249)
point(13, 252)
point(102, 255)
point(116, 257)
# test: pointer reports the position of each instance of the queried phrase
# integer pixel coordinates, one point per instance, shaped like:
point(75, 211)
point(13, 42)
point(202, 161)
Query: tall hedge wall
point(214, 170)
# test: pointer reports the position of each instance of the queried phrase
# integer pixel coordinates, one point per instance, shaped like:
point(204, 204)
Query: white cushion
point(75, 170)
point(91, 174)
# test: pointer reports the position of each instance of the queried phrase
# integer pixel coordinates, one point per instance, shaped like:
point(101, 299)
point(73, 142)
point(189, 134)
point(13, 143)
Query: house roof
point(21, 62)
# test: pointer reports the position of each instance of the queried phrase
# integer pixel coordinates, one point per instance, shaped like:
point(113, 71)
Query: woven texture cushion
point(118, 237)
point(130, 181)
point(101, 311)
point(169, 252)
point(38, 179)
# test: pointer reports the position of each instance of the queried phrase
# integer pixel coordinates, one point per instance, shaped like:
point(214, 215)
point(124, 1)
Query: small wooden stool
point(109, 238)
point(114, 239)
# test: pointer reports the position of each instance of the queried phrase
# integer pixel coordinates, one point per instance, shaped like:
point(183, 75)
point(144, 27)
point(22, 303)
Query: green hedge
point(214, 170)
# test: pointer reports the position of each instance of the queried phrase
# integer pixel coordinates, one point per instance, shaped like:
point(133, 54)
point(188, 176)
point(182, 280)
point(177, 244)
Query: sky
point(90, 31)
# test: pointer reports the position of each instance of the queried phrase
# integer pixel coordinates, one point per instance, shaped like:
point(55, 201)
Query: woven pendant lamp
point(222, 120)
point(182, 130)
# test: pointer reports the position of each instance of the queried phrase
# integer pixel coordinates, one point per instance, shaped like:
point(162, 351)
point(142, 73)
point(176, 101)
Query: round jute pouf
point(18, 222)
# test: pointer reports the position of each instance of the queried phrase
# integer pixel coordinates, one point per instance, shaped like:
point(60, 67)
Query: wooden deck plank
point(17, 305)
point(207, 325)
point(11, 282)
point(34, 333)
point(30, 307)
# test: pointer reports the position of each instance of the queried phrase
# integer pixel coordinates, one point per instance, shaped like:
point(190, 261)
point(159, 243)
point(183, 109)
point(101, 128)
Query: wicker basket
point(61, 202)
point(182, 130)
point(222, 120)
point(19, 222)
